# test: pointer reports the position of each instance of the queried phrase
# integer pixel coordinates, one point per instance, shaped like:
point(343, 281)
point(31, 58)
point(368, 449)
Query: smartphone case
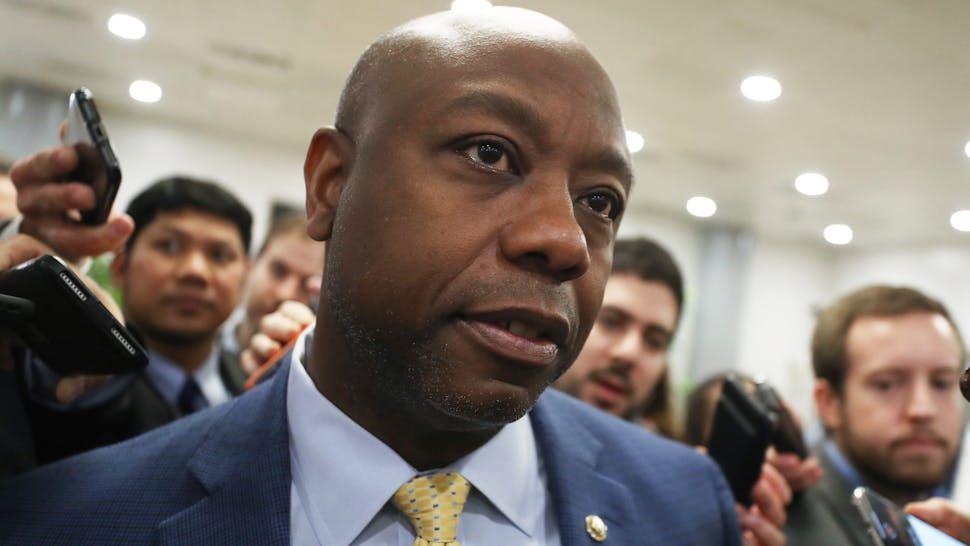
point(98, 165)
point(68, 327)
point(740, 435)
point(786, 435)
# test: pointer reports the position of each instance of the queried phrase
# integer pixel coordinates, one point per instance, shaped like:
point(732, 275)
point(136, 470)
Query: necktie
point(190, 397)
point(433, 503)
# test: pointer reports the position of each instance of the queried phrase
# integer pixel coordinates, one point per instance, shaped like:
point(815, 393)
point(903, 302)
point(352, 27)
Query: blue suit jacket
point(222, 476)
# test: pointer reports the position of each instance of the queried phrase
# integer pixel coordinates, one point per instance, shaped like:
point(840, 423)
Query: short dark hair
point(287, 224)
point(830, 359)
point(649, 261)
point(183, 192)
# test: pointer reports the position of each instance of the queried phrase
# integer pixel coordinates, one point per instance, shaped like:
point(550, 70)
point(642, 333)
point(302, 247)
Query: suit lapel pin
point(596, 528)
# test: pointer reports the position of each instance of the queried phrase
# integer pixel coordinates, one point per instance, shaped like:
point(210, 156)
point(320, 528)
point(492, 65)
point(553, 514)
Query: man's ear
point(117, 268)
point(325, 171)
point(828, 403)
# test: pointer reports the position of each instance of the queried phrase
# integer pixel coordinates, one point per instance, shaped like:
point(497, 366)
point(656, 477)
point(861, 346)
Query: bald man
point(470, 195)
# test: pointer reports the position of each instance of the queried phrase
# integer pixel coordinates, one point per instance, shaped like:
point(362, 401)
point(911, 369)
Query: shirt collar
point(169, 378)
point(327, 447)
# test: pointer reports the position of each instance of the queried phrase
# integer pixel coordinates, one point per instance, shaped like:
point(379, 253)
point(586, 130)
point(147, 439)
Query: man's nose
point(194, 263)
point(921, 404)
point(545, 235)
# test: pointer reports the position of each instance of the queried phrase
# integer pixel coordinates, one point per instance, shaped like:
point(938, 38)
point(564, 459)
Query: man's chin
point(484, 411)
point(918, 474)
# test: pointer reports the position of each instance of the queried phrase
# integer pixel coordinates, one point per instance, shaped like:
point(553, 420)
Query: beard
point(888, 465)
point(411, 371)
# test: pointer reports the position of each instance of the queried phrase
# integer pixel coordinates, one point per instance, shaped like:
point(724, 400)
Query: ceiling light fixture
point(812, 184)
point(761, 88)
point(467, 5)
point(145, 91)
point(701, 207)
point(126, 26)
point(634, 142)
point(960, 220)
point(966, 149)
point(838, 234)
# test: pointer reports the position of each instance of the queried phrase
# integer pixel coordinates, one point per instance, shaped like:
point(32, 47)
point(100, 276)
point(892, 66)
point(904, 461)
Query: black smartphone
point(786, 435)
point(98, 165)
point(889, 525)
point(740, 435)
point(65, 323)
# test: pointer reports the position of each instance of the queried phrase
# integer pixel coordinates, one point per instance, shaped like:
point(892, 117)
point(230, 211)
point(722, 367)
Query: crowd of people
point(468, 324)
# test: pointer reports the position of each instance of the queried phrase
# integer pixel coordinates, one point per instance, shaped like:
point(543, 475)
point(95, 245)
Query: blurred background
point(867, 98)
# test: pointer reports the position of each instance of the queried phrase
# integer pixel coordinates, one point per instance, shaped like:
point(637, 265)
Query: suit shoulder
point(628, 443)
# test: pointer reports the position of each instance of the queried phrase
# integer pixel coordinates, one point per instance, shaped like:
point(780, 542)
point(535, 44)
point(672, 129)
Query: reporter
point(17, 452)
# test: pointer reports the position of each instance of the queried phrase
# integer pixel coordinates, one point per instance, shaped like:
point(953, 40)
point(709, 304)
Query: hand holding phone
point(67, 326)
point(740, 436)
point(97, 164)
point(889, 525)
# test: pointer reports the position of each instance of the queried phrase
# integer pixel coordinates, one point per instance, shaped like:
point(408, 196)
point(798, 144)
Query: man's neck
point(900, 495)
point(418, 441)
point(187, 356)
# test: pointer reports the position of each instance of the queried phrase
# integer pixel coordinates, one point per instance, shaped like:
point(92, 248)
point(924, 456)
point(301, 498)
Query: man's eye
point(606, 204)
point(489, 153)
point(169, 246)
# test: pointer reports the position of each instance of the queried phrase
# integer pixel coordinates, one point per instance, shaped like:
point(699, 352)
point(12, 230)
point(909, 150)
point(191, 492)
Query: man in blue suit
point(469, 195)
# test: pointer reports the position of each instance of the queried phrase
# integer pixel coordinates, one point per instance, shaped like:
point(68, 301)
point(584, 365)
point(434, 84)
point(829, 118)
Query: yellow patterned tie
point(433, 503)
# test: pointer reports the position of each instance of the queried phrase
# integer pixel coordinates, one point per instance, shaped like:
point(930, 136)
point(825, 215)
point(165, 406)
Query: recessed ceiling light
point(812, 184)
point(838, 234)
point(702, 207)
point(465, 5)
point(966, 149)
point(126, 26)
point(960, 220)
point(761, 88)
point(634, 142)
point(145, 91)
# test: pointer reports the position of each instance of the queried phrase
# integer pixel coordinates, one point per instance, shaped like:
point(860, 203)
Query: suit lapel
point(837, 494)
point(231, 372)
point(571, 456)
point(244, 468)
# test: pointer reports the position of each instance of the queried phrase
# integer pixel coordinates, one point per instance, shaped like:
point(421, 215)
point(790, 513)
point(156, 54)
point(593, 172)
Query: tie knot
point(433, 504)
point(190, 398)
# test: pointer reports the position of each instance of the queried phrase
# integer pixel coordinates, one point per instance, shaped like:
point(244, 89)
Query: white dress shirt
point(344, 477)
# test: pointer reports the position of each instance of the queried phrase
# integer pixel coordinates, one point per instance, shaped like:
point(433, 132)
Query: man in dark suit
point(887, 361)
point(470, 195)
point(180, 274)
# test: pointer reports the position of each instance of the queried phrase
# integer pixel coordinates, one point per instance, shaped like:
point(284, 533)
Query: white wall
point(786, 284)
point(257, 172)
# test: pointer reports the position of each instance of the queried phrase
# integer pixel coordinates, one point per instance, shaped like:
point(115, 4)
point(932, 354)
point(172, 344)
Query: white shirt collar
point(336, 464)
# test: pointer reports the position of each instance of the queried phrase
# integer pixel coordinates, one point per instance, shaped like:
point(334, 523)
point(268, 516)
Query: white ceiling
point(875, 91)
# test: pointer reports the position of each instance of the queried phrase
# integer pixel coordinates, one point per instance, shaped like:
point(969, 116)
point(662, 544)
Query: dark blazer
point(824, 513)
point(136, 410)
point(222, 476)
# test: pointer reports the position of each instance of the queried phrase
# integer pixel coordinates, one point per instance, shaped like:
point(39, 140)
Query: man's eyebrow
point(513, 111)
point(528, 119)
point(614, 162)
